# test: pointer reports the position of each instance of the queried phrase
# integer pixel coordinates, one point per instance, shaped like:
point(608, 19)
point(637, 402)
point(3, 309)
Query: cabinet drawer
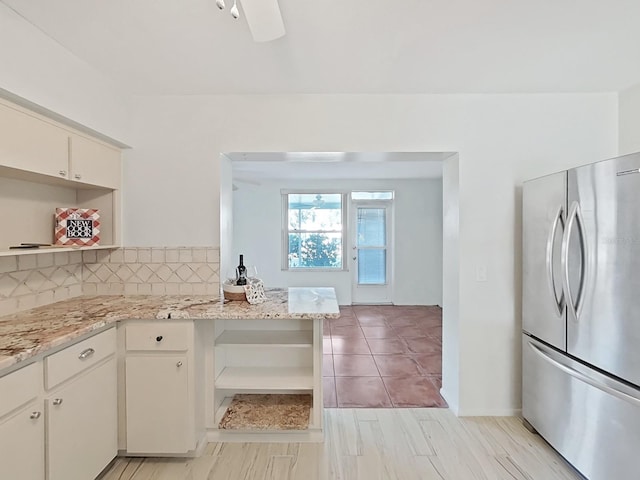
point(76, 358)
point(20, 387)
point(158, 336)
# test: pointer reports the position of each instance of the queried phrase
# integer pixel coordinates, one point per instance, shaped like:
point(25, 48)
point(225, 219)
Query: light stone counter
point(26, 334)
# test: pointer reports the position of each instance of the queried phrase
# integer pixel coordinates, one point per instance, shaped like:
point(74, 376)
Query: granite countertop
point(26, 334)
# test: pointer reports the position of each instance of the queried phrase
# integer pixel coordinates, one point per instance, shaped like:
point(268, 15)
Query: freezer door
point(603, 324)
point(544, 214)
point(591, 419)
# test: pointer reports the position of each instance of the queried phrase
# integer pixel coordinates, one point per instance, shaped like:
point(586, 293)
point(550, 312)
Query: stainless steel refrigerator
point(581, 315)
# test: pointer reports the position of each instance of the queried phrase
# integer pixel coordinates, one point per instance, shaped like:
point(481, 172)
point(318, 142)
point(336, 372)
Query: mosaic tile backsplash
point(152, 271)
point(28, 281)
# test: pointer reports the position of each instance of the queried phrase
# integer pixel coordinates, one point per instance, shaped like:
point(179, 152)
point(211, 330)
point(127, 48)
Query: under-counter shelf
point(265, 378)
point(35, 251)
point(276, 338)
point(266, 414)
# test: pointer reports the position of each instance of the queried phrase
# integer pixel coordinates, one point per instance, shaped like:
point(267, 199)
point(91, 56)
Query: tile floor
point(383, 356)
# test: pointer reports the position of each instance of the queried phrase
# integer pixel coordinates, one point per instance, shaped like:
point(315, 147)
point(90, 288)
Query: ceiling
point(259, 166)
point(353, 46)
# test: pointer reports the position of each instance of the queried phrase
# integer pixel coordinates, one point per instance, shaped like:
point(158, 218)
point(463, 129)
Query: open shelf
point(277, 338)
point(36, 251)
point(265, 378)
point(226, 403)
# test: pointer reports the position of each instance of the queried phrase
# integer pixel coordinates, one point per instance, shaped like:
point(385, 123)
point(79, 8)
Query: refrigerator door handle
point(558, 220)
point(585, 378)
point(583, 259)
point(574, 216)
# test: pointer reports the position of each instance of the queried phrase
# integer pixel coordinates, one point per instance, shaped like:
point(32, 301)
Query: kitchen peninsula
point(185, 370)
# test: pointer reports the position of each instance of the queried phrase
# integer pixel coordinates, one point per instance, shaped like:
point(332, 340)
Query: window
point(314, 230)
point(371, 195)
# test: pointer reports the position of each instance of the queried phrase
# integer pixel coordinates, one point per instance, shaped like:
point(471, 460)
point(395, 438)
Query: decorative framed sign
point(77, 226)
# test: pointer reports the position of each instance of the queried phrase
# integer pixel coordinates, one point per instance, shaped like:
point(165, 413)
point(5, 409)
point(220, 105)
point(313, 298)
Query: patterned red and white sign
point(77, 226)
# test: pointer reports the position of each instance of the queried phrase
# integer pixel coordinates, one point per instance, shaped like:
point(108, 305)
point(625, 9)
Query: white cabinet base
point(22, 444)
point(158, 408)
point(82, 420)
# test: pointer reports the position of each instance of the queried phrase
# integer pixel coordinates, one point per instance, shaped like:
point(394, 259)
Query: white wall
point(417, 219)
point(172, 191)
point(40, 70)
point(451, 282)
point(226, 216)
point(629, 120)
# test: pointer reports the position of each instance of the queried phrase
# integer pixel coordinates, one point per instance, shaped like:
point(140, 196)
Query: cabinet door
point(28, 143)
point(94, 163)
point(83, 425)
point(159, 414)
point(22, 444)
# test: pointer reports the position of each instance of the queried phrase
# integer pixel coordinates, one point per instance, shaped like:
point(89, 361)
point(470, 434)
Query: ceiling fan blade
point(264, 19)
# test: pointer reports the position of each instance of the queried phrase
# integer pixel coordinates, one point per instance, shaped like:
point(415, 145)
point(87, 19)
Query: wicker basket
point(239, 297)
point(234, 292)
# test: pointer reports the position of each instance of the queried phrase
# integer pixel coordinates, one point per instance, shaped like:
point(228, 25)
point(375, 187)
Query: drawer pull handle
point(77, 176)
point(179, 364)
point(62, 173)
point(35, 415)
point(86, 353)
point(159, 338)
point(57, 401)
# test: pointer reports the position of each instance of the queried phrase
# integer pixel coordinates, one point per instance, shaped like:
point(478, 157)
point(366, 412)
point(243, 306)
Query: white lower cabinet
point(82, 424)
point(159, 415)
point(22, 444)
point(160, 388)
point(59, 414)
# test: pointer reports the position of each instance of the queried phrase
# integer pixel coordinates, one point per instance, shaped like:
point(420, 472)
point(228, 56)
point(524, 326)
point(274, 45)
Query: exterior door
point(603, 305)
point(544, 214)
point(371, 252)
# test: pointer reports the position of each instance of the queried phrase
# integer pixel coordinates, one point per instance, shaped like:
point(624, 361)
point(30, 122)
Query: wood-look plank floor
point(373, 444)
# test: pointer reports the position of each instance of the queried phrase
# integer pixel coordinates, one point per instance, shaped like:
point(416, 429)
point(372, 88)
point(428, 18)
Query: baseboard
point(196, 452)
point(281, 436)
point(499, 412)
point(479, 412)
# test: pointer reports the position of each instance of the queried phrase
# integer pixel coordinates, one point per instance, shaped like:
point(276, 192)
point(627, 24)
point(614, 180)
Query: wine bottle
point(242, 272)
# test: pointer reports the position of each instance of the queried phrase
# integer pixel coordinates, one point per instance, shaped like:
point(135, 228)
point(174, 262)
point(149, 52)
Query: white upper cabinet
point(29, 143)
point(45, 164)
point(33, 144)
point(94, 163)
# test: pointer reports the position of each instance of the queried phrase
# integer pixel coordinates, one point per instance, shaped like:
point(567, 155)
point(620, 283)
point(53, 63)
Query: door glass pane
point(372, 265)
point(371, 227)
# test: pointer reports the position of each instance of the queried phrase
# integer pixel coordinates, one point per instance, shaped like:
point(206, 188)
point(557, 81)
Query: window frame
point(344, 197)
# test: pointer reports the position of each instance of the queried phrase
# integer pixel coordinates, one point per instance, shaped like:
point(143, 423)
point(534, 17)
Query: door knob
point(57, 401)
point(354, 258)
point(35, 415)
point(179, 364)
